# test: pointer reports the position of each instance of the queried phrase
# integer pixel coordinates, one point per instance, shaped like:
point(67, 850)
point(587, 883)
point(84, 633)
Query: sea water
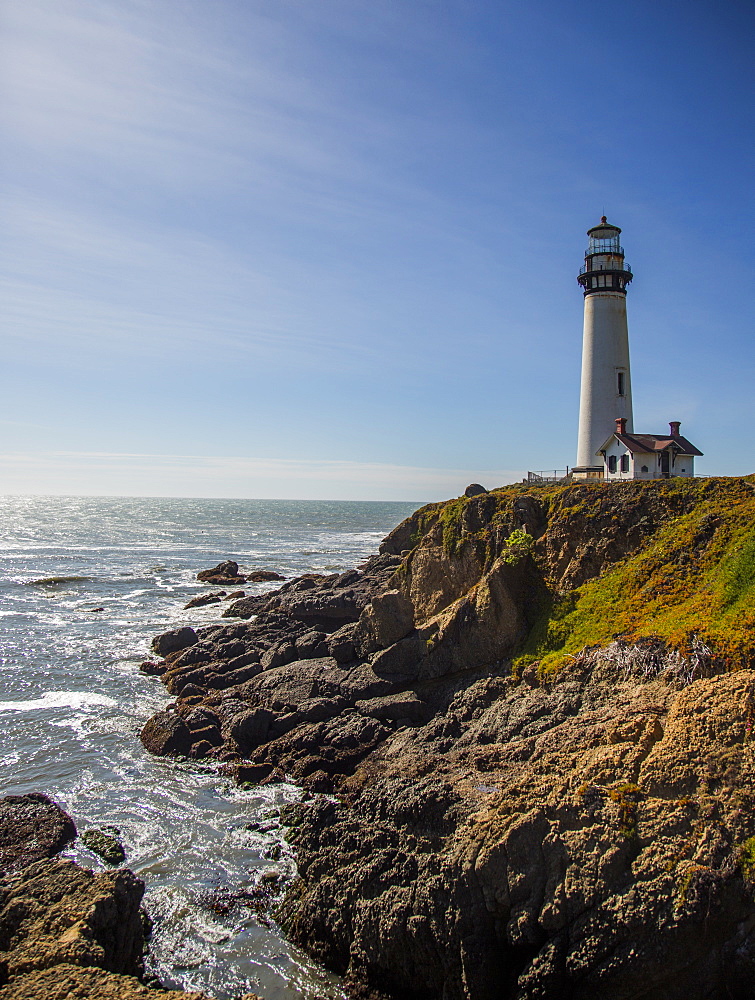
point(85, 583)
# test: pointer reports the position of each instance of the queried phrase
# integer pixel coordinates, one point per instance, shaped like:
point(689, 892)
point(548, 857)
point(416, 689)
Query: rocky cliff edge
point(532, 714)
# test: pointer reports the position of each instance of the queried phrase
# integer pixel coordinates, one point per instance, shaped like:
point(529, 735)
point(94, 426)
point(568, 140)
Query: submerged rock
point(106, 843)
point(202, 600)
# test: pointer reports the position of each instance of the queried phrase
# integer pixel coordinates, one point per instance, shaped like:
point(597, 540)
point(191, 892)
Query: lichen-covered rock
point(57, 912)
point(106, 843)
point(517, 846)
point(71, 982)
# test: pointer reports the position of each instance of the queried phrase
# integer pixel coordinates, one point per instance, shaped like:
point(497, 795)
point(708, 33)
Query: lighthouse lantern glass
point(604, 241)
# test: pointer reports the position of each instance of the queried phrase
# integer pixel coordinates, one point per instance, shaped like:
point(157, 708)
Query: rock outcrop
point(32, 827)
point(533, 716)
point(228, 572)
point(66, 932)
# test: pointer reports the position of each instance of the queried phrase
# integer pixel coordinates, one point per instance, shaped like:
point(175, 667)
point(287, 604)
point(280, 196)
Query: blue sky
point(328, 248)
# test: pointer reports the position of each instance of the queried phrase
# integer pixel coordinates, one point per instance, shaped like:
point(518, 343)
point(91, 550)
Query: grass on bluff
point(695, 577)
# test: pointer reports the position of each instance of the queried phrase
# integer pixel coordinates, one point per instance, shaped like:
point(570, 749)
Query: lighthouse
point(606, 388)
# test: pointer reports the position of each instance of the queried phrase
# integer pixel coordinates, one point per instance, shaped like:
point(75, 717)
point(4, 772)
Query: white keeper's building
point(647, 456)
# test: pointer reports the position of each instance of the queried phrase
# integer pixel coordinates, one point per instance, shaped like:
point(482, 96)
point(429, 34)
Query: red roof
point(657, 442)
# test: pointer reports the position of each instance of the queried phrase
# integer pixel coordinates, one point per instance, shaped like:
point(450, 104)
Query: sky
point(328, 248)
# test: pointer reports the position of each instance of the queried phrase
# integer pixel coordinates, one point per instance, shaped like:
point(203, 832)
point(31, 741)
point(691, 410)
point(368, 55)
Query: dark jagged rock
point(323, 602)
point(224, 572)
point(388, 618)
point(263, 576)
point(173, 641)
point(167, 735)
point(202, 600)
point(32, 827)
point(152, 668)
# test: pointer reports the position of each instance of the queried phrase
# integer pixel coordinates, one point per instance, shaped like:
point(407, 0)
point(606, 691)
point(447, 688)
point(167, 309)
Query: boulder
point(32, 827)
point(167, 735)
point(174, 640)
point(386, 619)
point(402, 661)
point(249, 728)
point(202, 600)
point(474, 490)
point(263, 576)
point(400, 706)
point(341, 644)
point(311, 645)
point(224, 572)
point(152, 669)
point(281, 653)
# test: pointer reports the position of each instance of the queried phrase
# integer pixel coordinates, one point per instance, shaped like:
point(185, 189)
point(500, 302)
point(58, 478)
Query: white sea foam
point(58, 699)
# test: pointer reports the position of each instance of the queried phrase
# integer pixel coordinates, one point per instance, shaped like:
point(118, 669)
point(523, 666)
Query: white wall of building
point(682, 465)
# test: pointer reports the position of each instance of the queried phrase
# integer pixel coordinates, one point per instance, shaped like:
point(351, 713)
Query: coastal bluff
point(526, 732)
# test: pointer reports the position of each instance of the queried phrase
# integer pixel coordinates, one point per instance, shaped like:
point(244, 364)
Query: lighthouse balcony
point(620, 267)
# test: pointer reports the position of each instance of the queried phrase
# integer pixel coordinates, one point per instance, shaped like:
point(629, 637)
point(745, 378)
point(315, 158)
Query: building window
point(612, 463)
point(625, 463)
point(645, 469)
point(621, 383)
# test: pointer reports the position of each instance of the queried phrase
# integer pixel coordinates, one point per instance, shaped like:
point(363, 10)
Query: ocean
point(72, 703)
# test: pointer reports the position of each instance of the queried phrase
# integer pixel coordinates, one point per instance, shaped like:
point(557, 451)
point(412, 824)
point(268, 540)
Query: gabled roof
point(650, 443)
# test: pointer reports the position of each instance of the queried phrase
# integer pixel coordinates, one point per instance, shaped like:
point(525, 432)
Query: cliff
point(533, 713)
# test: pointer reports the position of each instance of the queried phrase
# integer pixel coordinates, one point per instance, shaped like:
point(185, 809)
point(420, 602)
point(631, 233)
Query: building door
point(664, 465)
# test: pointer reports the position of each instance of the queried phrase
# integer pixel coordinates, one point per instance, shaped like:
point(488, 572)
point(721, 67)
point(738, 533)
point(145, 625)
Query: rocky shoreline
point(493, 826)
point(65, 931)
point(527, 776)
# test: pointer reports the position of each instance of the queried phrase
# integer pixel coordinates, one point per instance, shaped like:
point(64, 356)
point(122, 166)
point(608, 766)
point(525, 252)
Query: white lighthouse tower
point(606, 390)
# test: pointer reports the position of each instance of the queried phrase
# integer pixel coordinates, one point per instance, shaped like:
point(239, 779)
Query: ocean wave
point(54, 581)
point(58, 699)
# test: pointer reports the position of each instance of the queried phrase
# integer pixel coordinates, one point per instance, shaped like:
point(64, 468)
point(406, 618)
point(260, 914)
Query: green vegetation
point(695, 576)
point(451, 518)
point(680, 555)
point(747, 860)
point(627, 796)
point(517, 546)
